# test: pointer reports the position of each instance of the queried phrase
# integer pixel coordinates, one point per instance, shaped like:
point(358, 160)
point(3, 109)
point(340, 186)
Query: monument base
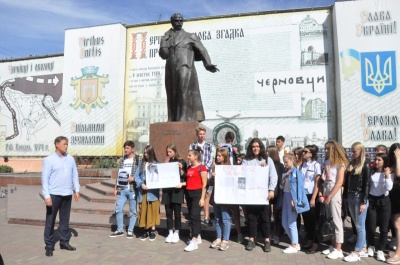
point(179, 133)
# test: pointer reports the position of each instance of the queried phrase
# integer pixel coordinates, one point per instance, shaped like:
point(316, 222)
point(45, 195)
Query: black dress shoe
point(67, 246)
point(49, 252)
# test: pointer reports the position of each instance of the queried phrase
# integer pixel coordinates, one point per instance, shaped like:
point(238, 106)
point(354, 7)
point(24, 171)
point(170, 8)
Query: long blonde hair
point(337, 154)
point(357, 164)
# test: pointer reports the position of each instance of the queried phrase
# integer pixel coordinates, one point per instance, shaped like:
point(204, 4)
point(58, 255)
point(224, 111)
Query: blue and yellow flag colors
point(350, 62)
point(377, 69)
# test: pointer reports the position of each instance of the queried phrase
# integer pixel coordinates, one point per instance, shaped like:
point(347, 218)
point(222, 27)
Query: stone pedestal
point(179, 133)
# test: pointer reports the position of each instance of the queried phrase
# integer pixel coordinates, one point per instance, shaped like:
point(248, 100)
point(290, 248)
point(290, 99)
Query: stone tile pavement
point(23, 244)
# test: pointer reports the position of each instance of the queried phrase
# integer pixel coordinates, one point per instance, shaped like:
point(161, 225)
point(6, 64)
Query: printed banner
point(276, 76)
point(30, 106)
point(93, 90)
point(367, 41)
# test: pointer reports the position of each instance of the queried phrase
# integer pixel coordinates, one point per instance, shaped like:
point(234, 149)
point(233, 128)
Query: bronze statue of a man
point(181, 49)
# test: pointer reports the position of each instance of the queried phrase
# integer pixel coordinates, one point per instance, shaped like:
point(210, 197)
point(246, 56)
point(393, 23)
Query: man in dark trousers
point(181, 49)
point(59, 182)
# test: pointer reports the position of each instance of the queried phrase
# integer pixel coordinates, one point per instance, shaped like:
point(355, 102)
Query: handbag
point(325, 225)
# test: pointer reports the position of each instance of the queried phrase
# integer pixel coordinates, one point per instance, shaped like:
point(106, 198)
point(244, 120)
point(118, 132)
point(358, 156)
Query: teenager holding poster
point(172, 198)
point(256, 156)
point(125, 190)
point(149, 205)
point(222, 212)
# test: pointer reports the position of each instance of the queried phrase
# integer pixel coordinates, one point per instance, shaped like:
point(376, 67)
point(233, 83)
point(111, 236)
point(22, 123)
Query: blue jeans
point(354, 202)
point(289, 218)
point(125, 195)
point(222, 221)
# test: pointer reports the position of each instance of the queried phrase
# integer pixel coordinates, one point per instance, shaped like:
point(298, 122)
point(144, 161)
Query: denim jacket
point(140, 178)
point(298, 192)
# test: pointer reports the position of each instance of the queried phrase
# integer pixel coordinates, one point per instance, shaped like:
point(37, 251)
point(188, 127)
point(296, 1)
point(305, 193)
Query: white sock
point(171, 231)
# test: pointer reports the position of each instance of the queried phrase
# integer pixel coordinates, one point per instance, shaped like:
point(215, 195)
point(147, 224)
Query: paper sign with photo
point(164, 175)
point(122, 179)
point(241, 184)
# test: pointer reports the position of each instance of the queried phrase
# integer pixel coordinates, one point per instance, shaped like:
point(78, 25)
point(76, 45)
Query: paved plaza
point(23, 244)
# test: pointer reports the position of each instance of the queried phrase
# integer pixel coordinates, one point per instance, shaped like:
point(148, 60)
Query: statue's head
point(177, 21)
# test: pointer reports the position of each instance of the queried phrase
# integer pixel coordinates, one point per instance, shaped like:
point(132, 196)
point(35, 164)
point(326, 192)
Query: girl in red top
point(196, 181)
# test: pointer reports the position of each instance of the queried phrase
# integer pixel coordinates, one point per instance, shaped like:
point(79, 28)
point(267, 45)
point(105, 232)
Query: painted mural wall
point(30, 106)
point(367, 48)
point(93, 90)
point(276, 77)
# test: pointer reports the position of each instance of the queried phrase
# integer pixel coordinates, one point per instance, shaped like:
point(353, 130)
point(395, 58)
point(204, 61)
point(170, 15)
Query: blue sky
point(36, 27)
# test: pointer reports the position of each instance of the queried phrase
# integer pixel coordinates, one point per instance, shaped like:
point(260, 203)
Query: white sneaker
point(380, 256)
point(371, 251)
point(192, 246)
point(199, 241)
point(175, 238)
point(353, 257)
point(364, 254)
point(328, 250)
point(290, 250)
point(352, 239)
point(276, 240)
point(335, 254)
point(168, 239)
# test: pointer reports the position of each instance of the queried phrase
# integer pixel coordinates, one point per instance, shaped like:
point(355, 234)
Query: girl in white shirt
point(311, 171)
point(378, 213)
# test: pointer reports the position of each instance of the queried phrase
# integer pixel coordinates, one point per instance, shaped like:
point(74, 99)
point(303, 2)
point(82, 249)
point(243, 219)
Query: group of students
point(370, 195)
point(192, 186)
point(369, 192)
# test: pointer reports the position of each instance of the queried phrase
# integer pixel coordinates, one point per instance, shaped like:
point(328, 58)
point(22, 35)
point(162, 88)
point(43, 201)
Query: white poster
point(241, 184)
point(164, 175)
point(122, 179)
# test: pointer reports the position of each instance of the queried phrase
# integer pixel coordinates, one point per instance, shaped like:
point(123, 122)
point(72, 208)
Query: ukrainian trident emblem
point(89, 89)
point(378, 72)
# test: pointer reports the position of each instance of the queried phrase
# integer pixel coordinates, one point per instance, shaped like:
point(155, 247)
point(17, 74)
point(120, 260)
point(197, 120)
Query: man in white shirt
point(280, 144)
point(60, 182)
